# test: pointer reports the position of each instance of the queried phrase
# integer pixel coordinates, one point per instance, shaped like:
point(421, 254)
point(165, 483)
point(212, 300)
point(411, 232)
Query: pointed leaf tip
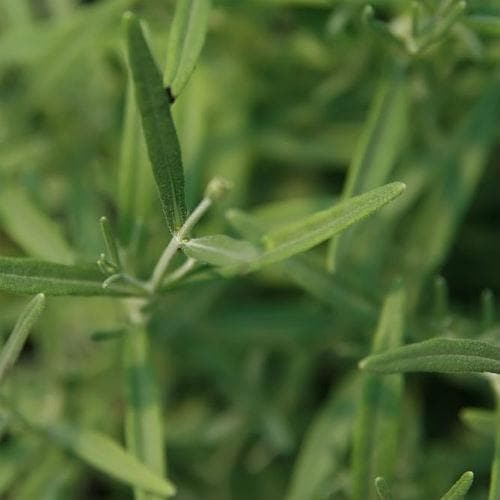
point(159, 129)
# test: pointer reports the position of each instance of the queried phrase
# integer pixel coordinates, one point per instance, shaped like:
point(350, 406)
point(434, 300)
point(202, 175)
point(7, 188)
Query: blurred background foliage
point(257, 372)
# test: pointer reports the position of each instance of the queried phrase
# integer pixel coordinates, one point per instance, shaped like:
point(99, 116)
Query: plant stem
point(143, 420)
point(494, 493)
point(168, 254)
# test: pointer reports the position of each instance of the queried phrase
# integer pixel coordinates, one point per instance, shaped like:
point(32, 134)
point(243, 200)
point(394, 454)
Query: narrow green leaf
point(17, 338)
point(309, 275)
point(159, 129)
point(325, 444)
point(135, 180)
point(187, 36)
point(437, 355)
point(446, 201)
point(143, 423)
point(460, 488)
point(382, 488)
point(379, 407)
point(31, 229)
point(107, 456)
point(220, 250)
point(313, 230)
point(380, 143)
point(29, 276)
point(494, 490)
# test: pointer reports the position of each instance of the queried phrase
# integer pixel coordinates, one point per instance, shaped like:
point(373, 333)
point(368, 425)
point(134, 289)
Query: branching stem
point(171, 249)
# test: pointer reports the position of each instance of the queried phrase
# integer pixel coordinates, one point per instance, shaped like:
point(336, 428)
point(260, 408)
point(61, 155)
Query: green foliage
point(12, 348)
point(342, 153)
point(437, 355)
point(187, 35)
point(159, 130)
point(460, 488)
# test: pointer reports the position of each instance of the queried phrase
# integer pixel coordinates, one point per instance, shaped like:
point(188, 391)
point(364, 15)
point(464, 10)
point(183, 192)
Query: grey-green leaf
point(313, 230)
point(159, 129)
point(30, 276)
point(17, 338)
point(437, 355)
point(220, 250)
point(187, 36)
point(460, 488)
point(101, 452)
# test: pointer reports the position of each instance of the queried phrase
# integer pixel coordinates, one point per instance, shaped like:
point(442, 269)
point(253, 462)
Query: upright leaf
point(460, 488)
point(29, 276)
point(437, 355)
point(135, 181)
point(187, 36)
point(17, 338)
point(379, 407)
point(159, 130)
point(325, 444)
point(380, 143)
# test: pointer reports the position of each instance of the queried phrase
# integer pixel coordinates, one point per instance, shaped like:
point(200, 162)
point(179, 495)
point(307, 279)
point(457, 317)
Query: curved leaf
point(159, 129)
point(437, 355)
point(378, 415)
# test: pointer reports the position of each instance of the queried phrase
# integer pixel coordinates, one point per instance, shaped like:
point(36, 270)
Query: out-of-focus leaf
point(30, 276)
point(479, 420)
point(159, 129)
point(437, 355)
point(381, 141)
point(379, 406)
point(31, 229)
point(220, 250)
point(187, 36)
point(382, 489)
point(135, 182)
point(460, 488)
point(10, 351)
point(104, 454)
point(143, 425)
point(325, 444)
